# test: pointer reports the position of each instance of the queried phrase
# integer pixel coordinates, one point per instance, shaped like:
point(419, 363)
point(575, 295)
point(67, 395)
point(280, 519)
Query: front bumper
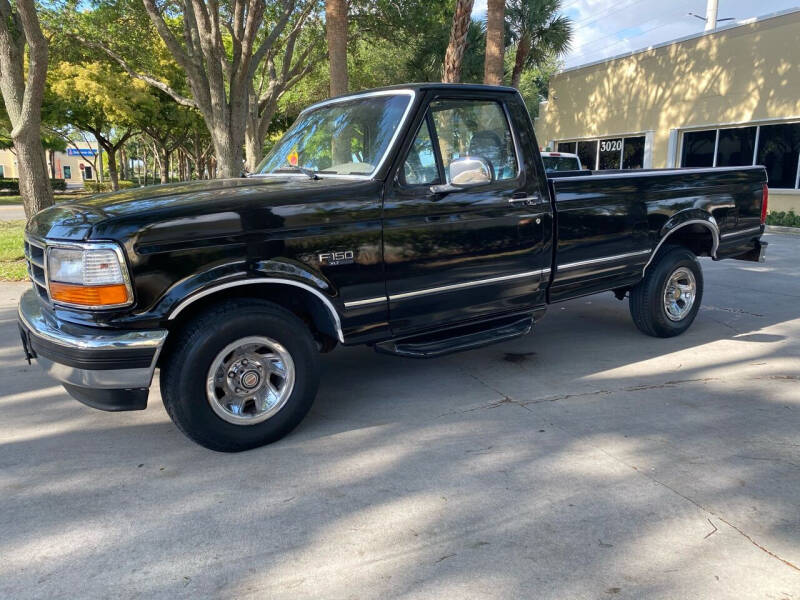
point(106, 369)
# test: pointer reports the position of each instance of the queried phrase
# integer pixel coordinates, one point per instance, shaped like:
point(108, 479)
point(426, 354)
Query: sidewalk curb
point(781, 229)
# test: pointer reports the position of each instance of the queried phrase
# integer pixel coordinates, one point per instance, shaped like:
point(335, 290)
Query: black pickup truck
point(416, 219)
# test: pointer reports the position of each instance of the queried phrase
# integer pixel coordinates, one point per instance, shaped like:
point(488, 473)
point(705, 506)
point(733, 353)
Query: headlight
point(88, 275)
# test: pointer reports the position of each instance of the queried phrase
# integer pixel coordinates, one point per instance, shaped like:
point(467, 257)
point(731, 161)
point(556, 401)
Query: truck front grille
point(35, 256)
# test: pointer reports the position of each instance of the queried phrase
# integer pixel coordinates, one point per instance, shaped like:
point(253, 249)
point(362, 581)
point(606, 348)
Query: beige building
point(724, 98)
point(75, 165)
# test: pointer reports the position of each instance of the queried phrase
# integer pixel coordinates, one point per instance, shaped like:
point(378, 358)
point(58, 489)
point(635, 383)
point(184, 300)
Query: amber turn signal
point(89, 295)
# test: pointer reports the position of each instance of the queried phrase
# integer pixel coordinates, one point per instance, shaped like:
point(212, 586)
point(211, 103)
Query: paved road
point(585, 461)
point(12, 212)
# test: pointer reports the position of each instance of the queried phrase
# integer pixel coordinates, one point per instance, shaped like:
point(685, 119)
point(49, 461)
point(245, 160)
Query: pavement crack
point(712, 532)
point(703, 508)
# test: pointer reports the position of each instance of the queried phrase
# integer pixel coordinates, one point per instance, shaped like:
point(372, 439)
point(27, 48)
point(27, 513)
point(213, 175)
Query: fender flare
point(681, 220)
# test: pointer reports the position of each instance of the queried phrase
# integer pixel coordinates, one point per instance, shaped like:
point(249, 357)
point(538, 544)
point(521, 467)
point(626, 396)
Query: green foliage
point(535, 82)
point(96, 187)
point(11, 185)
point(12, 257)
point(783, 219)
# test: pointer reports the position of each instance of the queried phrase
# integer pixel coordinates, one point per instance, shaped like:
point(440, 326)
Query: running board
point(459, 339)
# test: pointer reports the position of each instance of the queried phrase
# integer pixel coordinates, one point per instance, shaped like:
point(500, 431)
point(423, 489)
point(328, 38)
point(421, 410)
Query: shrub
point(96, 187)
point(11, 186)
point(784, 219)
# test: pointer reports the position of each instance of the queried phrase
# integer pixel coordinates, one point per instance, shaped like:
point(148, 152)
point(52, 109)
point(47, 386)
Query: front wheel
point(240, 375)
point(666, 301)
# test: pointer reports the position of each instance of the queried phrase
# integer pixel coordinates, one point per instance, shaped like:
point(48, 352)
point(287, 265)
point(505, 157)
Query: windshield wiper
point(311, 173)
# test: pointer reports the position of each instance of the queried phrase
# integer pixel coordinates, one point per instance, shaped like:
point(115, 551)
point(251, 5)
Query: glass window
point(67, 172)
point(698, 148)
point(778, 149)
point(474, 128)
point(2, 171)
point(633, 153)
point(610, 154)
point(420, 165)
point(735, 148)
point(347, 138)
point(87, 173)
point(587, 152)
point(566, 147)
point(560, 163)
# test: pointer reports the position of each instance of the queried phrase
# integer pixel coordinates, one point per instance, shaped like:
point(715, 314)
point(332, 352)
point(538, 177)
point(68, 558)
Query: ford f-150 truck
point(416, 219)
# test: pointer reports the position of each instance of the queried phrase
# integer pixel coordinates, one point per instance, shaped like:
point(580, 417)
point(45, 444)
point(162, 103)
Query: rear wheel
point(240, 375)
point(666, 301)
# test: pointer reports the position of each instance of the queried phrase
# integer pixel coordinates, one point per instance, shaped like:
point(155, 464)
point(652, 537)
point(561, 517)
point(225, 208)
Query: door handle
point(524, 200)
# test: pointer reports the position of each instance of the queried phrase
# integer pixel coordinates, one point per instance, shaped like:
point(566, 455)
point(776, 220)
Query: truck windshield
point(348, 137)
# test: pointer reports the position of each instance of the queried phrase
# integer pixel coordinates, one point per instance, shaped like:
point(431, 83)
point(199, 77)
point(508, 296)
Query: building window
point(67, 172)
point(2, 171)
point(608, 153)
point(698, 148)
point(587, 152)
point(776, 147)
point(568, 147)
point(633, 153)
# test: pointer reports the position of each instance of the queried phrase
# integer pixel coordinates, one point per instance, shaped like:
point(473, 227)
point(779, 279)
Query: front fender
point(279, 271)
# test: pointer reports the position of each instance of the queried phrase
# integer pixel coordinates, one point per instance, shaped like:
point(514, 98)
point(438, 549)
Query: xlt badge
point(333, 259)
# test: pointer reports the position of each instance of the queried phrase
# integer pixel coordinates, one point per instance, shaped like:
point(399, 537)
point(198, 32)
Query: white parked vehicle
point(561, 161)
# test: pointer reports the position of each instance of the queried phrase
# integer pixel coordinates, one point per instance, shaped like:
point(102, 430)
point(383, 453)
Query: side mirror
point(470, 171)
point(466, 172)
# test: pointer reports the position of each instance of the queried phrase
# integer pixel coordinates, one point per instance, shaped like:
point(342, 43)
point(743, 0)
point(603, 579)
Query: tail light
point(764, 202)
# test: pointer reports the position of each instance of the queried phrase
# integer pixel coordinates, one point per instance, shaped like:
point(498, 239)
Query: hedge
point(11, 186)
point(784, 219)
point(96, 187)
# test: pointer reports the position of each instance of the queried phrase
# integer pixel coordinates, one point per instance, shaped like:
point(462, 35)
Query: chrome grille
point(35, 256)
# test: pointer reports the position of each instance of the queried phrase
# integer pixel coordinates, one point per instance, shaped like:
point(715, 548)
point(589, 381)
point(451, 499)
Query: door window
point(475, 128)
point(420, 166)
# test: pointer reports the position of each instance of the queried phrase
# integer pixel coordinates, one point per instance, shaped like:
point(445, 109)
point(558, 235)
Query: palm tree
point(539, 32)
point(458, 41)
point(495, 42)
point(336, 33)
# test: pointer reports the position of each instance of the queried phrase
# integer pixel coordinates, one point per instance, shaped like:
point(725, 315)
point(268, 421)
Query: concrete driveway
point(584, 461)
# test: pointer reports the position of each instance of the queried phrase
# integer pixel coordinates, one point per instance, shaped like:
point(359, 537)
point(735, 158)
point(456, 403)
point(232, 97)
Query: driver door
point(459, 253)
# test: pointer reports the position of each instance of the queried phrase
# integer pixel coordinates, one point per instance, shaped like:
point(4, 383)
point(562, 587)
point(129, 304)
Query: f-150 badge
point(333, 259)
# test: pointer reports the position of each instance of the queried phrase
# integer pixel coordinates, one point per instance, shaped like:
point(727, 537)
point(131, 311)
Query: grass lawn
point(12, 258)
point(59, 197)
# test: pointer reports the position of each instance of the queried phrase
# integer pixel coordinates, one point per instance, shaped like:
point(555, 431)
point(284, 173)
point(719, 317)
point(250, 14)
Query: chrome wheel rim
point(250, 380)
point(679, 294)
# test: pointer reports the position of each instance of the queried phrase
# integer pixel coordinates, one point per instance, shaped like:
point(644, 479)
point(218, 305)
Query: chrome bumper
point(107, 369)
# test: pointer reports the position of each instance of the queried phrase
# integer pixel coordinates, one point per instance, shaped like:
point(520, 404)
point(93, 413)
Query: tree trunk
point(34, 180)
point(112, 169)
point(19, 27)
point(523, 49)
point(336, 34)
point(164, 159)
point(458, 41)
point(495, 42)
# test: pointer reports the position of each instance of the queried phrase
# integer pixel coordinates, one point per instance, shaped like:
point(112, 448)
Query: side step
point(458, 339)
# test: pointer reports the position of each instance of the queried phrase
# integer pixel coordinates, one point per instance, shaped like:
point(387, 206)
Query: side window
point(420, 166)
point(475, 128)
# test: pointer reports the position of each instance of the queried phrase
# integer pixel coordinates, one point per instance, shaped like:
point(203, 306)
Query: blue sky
point(606, 28)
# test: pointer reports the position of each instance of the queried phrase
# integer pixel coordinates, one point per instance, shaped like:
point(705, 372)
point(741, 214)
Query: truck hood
point(96, 215)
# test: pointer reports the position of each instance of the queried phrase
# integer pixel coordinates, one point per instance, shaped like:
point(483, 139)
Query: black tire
point(647, 297)
point(197, 345)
